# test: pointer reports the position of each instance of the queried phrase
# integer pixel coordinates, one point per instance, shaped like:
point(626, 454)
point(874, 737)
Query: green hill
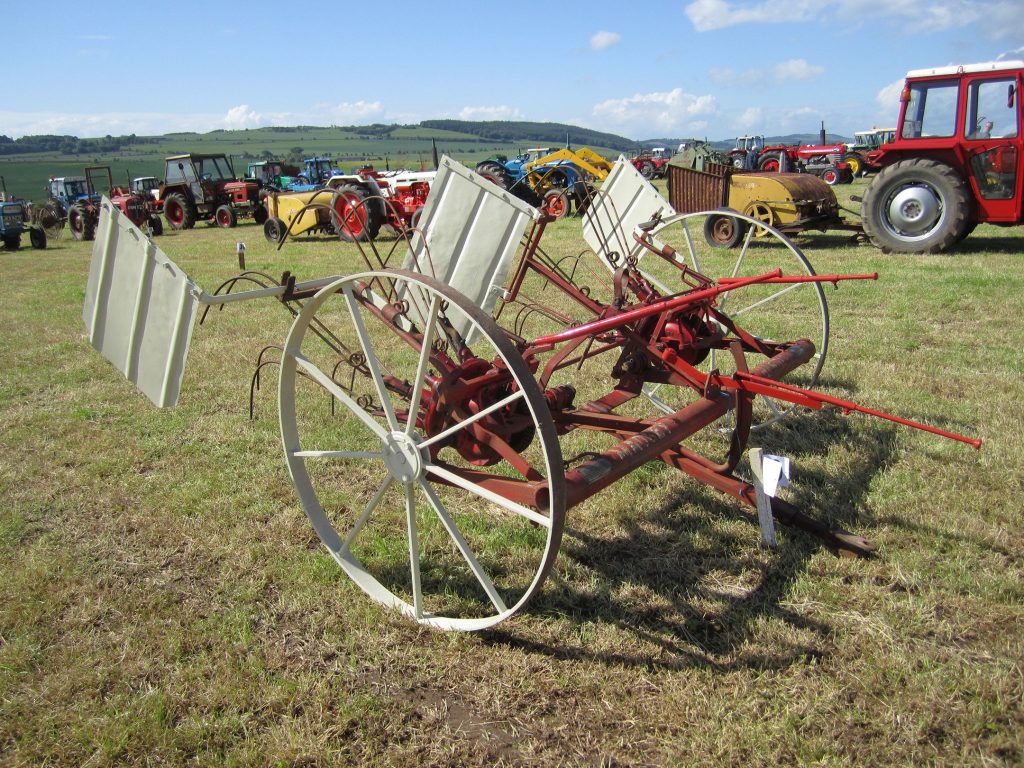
point(28, 161)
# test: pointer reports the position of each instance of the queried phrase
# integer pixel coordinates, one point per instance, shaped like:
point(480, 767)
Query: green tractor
point(15, 218)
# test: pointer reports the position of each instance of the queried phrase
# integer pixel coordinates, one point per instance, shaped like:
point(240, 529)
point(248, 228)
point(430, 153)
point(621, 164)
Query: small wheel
point(556, 204)
point(770, 312)
point(81, 223)
point(156, 224)
point(724, 231)
point(359, 218)
point(225, 217)
point(37, 237)
point(51, 219)
point(856, 164)
point(646, 169)
point(179, 211)
point(764, 214)
point(439, 488)
point(831, 176)
point(274, 229)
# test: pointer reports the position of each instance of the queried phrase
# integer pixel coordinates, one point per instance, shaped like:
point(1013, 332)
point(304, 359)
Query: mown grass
point(166, 602)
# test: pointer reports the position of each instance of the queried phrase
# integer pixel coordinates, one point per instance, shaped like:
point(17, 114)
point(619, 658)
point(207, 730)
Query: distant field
point(406, 148)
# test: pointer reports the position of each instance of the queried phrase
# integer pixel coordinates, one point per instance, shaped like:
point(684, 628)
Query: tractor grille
point(135, 209)
point(14, 216)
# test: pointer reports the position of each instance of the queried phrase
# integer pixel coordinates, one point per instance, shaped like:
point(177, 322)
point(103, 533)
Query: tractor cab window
point(213, 169)
point(176, 172)
point(75, 188)
point(990, 113)
point(931, 111)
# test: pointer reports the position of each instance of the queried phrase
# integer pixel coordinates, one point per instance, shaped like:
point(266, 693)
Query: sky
point(644, 69)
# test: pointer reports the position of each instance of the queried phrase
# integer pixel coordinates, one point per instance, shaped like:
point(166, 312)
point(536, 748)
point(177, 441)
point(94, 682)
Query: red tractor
point(826, 161)
point(955, 160)
point(138, 207)
point(652, 163)
point(204, 187)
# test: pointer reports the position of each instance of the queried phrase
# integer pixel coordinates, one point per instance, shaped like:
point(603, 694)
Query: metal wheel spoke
point(338, 454)
point(463, 546)
point(331, 386)
point(423, 362)
point(517, 395)
point(371, 356)
point(479, 490)
point(767, 299)
point(414, 551)
point(367, 511)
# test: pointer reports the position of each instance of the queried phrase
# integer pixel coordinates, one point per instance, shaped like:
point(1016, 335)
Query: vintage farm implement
point(482, 387)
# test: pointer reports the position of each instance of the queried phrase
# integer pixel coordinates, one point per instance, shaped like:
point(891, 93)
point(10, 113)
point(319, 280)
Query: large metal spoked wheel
point(438, 486)
point(770, 312)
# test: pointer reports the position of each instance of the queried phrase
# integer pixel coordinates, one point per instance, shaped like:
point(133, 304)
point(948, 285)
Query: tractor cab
point(68, 189)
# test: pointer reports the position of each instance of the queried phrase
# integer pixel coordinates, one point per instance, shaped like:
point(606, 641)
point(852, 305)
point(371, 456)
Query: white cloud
point(501, 112)
point(242, 117)
point(601, 40)
point(346, 113)
point(1000, 18)
point(750, 119)
point(707, 15)
point(888, 98)
point(796, 69)
point(649, 113)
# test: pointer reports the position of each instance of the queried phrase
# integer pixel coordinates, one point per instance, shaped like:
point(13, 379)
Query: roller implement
point(482, 386)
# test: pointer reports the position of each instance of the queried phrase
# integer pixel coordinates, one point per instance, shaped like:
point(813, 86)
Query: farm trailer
point(471, 433)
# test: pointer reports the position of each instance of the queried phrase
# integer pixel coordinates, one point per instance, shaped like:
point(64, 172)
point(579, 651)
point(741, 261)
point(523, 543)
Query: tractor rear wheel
point(724, 231)
point(37, 238)
point(225, 217)
point(81, 224)
point(769, 162)
point(490, 167)
point(179, 211)
point(359, 217)
point(556, 204)
point(916, 206)
point(498, 177)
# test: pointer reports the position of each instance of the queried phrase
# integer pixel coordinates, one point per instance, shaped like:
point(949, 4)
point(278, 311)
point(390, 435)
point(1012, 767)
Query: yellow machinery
point(789, 202)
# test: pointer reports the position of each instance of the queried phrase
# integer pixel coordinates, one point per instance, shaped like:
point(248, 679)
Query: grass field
point(166, 601)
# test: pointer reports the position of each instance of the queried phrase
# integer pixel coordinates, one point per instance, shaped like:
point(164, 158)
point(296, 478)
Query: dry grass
point(166, 602)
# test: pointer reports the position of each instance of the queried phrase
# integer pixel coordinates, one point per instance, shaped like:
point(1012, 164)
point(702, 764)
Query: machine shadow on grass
point(680, 553)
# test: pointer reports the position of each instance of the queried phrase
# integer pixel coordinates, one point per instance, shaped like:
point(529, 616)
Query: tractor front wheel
point(225, 217)
point(179, 212)
point(916, 206)
point(81, 224)
point(156, 224)
point(831, 176)
point(556, 204)
point(646, 169)
point(12, 243)
point(37, 237)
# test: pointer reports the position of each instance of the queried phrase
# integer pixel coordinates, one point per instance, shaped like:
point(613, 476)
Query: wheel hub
point(402, 457)
point(914, 210)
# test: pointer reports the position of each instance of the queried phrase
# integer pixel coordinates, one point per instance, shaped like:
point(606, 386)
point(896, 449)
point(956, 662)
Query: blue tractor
point(14, 220)
point(71, 199)
point(541, 177)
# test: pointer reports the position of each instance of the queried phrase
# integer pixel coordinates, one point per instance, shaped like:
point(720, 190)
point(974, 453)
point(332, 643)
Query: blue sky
point(713, 68)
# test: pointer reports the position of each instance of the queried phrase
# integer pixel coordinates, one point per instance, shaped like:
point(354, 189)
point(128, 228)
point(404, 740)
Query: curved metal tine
point(255, 385)
point(371, 356)
point(334, 389)
point(507, 504)
point(463, 546)
point(230, 284)
point(414, 551)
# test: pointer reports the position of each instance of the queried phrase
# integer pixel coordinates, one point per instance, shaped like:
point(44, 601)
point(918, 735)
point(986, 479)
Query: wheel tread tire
point(957, 207)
